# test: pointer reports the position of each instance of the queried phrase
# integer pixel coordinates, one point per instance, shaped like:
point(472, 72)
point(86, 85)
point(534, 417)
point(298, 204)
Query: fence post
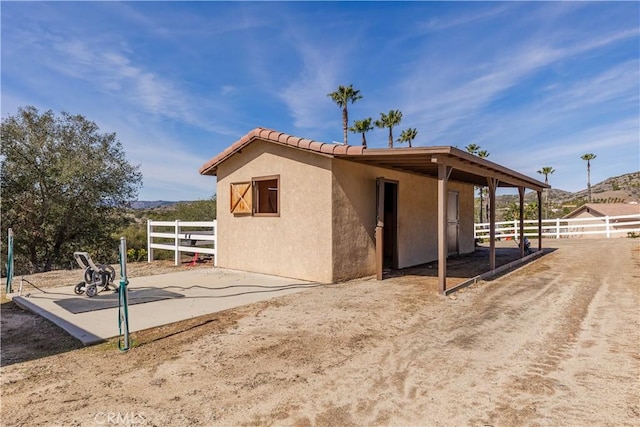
point(606, 221)
point(557, 228)
point(215, 242)
point(177, 242)
point(149, 241)
point(515, 229)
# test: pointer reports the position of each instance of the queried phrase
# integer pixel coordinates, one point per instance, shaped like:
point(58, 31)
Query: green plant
point(65, 187)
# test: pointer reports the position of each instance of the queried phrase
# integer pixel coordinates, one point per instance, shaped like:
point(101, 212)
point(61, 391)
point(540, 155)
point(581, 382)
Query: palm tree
point(389, 121)
point(546, 171)
point(362, 126)
point(342, 97)
point(588, 157)
point(408, 135)
point(482, 154)
point(472, 148)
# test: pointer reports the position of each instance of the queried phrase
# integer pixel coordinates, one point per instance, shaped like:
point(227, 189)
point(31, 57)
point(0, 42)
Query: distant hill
point(624, 188)
point(142, 204)
point(619, 189)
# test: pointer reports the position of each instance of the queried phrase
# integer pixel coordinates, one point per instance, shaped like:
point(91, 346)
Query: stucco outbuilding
point(329, 212)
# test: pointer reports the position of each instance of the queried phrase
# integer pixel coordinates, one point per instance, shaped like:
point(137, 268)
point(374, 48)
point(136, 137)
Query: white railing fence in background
point(606, 226)
point(193, 237)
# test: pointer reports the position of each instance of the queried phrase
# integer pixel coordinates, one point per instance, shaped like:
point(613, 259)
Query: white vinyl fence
point(606, 226)
point(183, 236)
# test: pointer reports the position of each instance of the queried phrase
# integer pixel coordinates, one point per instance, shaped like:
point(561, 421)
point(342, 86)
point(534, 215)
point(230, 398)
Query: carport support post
point(521, 194)
point(443, 176)
point(540, 220)
point(493, 183)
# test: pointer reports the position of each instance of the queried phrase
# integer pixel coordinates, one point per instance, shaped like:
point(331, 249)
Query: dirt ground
point(26, 336)
point(554, 343)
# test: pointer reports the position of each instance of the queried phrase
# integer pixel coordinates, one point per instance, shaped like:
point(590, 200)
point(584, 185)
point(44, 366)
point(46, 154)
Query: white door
point(452, 223)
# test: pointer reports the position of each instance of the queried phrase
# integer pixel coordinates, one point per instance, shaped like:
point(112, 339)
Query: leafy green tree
point(393, 118)
point(343, 96)
point(362, 126)
point(65, 186)
point(198, 210)
point(513, 211)
point(408, 135)
point(588, 157)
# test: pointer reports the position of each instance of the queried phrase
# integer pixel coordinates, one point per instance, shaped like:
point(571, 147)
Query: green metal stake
point(123, 315)
point(8, 288)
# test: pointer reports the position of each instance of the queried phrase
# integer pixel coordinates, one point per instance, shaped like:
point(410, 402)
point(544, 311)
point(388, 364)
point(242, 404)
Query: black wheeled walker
point(95, 276)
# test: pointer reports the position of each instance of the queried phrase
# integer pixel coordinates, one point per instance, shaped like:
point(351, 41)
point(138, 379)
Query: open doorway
point(390, 238)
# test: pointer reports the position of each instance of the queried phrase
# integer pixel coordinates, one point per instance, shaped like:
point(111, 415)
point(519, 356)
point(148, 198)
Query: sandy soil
point(554, 343)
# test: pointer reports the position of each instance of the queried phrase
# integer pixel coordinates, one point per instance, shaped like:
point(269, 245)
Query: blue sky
point(535, 84)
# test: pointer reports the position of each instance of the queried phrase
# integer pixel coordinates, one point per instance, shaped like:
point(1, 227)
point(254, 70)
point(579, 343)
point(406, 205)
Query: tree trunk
point(390, 138)
point(364, 140)
point(589, 180)
point(345, 122)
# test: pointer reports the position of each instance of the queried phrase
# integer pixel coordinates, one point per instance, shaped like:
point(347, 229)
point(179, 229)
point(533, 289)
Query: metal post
point(606, 221)
point(123, 306)
point(8, 288)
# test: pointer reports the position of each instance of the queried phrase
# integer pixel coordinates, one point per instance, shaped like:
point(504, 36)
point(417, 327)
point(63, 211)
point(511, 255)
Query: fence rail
point(607, 226)
point(187, 236)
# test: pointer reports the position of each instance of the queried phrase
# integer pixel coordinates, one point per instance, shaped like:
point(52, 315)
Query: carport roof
point(465, 167)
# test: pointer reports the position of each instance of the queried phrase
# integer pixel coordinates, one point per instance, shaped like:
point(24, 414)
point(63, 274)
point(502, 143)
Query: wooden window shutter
point(241, 198)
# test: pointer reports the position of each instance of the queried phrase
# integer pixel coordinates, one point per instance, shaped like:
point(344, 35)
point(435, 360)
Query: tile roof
point(270, 135)
point(466, 167)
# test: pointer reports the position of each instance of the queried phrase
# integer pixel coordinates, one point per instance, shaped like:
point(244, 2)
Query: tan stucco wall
point(298, 243)
point(354, 218)
point(325, 231)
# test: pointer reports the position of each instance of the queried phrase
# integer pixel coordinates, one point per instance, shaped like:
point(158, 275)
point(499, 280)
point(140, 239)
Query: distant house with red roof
point(621, 217)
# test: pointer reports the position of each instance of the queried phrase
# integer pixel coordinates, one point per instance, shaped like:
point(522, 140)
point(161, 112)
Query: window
point(266, 196)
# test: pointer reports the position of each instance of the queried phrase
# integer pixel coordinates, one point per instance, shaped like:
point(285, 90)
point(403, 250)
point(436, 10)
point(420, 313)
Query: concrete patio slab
point(156, 300)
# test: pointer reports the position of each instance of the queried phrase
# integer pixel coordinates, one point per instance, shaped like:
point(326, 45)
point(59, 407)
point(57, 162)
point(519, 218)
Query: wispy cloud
point(453, 101)
point(446, 23)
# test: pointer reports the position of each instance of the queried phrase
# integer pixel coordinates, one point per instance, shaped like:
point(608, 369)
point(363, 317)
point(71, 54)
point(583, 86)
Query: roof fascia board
point(488, 170)
point(534, 183)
